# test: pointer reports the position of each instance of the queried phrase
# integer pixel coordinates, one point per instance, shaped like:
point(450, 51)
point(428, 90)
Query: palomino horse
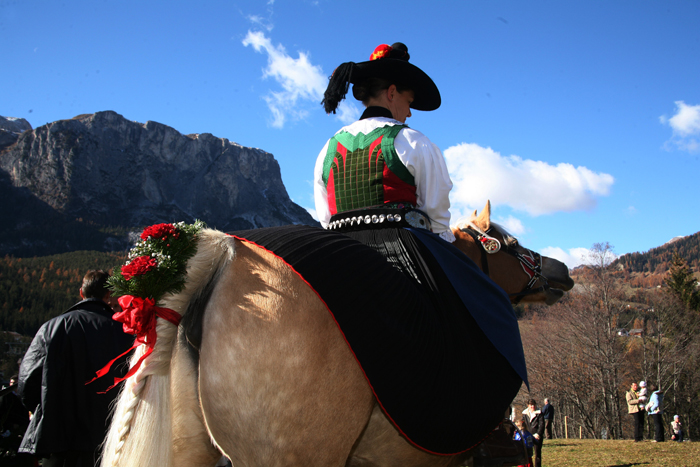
point(274, 382)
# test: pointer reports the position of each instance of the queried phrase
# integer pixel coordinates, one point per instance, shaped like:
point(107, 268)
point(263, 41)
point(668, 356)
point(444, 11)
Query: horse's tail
point(140, 433)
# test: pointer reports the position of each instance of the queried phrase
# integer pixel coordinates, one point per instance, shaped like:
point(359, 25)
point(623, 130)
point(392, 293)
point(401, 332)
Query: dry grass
point(592, 453)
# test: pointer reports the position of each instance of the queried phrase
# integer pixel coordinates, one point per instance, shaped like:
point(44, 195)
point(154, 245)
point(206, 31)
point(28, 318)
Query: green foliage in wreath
point(157, 264)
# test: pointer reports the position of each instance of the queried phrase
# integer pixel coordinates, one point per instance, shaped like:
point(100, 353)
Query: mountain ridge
point(109, 175)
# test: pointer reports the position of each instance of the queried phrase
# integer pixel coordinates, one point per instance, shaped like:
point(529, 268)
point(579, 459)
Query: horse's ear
point(484, 219)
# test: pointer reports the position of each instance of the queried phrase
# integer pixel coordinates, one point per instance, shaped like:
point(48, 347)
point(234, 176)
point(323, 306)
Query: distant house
point(14, 344)
point(622, 332)
point(636, 332)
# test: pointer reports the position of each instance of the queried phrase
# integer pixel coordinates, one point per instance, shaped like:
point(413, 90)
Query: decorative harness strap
point(531, 262)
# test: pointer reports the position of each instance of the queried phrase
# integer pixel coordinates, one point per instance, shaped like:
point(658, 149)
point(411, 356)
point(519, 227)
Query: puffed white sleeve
point(320, 194)
point(433, 184)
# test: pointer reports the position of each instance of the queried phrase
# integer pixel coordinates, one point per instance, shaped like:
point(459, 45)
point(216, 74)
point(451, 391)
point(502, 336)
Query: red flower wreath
point(139, 266)
point(160, 231)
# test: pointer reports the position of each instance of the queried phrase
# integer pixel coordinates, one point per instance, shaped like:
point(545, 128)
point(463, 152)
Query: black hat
point(386, 62)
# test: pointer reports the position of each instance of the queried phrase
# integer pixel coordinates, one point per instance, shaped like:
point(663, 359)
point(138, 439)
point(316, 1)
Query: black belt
point(379, 218)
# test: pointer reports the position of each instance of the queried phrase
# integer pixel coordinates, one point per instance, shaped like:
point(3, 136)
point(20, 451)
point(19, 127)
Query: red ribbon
point(138, 316)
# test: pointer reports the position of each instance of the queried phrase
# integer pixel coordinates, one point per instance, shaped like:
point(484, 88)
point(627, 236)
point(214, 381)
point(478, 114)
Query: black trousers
point(658, 428)
point(638, 426)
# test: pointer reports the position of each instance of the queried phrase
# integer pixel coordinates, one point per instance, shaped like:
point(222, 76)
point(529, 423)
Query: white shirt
point(422, 159)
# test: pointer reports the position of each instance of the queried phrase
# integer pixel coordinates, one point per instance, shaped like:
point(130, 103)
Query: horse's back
point(278, 383)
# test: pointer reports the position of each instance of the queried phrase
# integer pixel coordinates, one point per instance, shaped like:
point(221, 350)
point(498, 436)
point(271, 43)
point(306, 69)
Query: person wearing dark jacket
point(71, 418)
point(534, 419)
point(548, 414)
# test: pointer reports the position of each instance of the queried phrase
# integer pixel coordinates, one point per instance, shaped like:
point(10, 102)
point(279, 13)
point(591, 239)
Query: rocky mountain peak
point(106, 171)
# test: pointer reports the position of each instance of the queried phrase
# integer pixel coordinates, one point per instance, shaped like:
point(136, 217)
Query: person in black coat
point(548, 414)
point(71, 419)
point(534, 419)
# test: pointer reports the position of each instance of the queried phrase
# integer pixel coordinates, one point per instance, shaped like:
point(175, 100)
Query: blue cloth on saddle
point(481, 295)
point(444, 373)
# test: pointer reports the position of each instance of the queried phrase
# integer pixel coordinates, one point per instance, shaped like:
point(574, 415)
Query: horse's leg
point(279, 385)
point(192, 446)
point(381, 445)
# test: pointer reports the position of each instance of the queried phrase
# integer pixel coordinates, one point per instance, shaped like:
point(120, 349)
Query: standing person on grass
point(548, 414)
point(534, 419)
point(655, 409)
point(633, 408)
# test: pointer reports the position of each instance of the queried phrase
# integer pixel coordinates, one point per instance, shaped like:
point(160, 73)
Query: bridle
point(530, 261)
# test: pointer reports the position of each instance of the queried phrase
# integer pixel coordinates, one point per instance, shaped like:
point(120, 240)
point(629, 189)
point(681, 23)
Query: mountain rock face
point(10, 129)
point(100, 176)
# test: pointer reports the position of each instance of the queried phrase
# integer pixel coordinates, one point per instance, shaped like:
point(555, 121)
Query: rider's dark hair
point(372, 87)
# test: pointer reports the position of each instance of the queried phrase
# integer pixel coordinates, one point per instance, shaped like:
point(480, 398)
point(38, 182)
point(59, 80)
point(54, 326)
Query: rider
point(387, 186)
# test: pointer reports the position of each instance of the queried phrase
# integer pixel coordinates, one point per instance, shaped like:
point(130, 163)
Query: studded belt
point(379, 218)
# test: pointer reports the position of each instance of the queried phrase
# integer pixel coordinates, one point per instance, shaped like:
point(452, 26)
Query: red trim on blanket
point(355, 356)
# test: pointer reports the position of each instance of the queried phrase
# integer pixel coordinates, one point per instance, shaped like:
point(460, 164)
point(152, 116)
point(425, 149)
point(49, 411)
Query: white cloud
point(512, 224)
point(531, 186)
point(686, 127)
point(313, 213)
point(348, 113)
point(301, 81)
point(573, 258)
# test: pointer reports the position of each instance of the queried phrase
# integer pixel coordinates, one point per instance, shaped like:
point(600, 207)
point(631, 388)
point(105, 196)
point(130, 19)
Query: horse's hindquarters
point(278, 384)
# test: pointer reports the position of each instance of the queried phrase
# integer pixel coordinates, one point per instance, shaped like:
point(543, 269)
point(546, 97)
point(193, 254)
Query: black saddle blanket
point(435, 374)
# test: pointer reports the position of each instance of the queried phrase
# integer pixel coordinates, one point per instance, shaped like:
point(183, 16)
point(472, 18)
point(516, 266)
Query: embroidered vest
point(364, 170)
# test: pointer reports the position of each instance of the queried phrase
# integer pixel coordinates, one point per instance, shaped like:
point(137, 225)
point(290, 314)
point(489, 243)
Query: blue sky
point(579, 120)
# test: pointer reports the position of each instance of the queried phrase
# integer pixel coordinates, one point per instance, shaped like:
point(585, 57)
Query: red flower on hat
point(159, 231)
point(380, 52)
point(138, 266)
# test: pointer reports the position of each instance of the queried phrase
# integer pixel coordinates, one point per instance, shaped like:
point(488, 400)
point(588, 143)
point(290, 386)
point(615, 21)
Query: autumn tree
point(682, 283)
point(576, 353)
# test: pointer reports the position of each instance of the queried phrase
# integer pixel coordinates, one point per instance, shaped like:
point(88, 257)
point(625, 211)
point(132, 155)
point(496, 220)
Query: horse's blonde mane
point(140, 434)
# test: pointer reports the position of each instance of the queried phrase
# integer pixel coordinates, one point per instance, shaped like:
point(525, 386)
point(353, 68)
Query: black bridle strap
point(531, 264)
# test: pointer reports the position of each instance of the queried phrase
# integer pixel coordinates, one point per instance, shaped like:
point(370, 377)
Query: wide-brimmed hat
point(389, 62)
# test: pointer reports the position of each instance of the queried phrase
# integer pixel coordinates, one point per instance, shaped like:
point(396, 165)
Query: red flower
point(139, 266)
point(381, 51)
point(159, 231)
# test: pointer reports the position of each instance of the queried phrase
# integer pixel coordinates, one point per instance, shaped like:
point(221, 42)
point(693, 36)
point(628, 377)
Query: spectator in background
point(70, 419)
point(638, 415)
point(677, 429)
point(548, 414)
point(535, 423)
point(655, 409)
point(14, 418)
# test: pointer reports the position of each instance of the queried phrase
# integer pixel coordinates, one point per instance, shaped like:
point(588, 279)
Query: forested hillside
point(33, 290)
point(658, 260)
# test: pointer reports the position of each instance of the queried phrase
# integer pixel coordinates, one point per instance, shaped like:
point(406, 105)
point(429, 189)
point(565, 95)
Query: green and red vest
point(364, 170)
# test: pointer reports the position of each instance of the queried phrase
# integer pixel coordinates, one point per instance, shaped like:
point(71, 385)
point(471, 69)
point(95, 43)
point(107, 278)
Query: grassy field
point(594, 453)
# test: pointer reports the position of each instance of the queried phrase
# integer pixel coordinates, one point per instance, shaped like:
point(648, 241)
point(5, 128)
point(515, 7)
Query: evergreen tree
point(682, 283)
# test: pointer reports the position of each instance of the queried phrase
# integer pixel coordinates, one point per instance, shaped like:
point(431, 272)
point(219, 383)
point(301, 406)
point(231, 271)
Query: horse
point(273, 381)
